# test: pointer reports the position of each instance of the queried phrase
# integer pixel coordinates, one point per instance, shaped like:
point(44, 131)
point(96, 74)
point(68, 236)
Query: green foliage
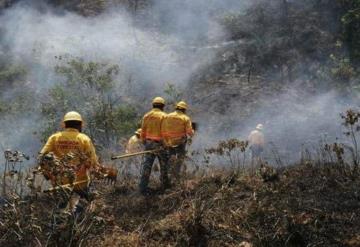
point(90, 89)
point(83, 7)
point(278, 37)
point(342, 71)
point(16, 95)
point(351, 27)
point(3, 107)
point(91, 75)
point(295, 40)
point(11, 75)
point(173, 94)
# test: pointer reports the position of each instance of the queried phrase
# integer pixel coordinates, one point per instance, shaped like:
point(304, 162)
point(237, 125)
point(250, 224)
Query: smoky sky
point(36, 35)
point(152, 50)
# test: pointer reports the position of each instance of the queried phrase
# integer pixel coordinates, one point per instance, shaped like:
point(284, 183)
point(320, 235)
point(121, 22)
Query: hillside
point(305, 205)
point(290, 66)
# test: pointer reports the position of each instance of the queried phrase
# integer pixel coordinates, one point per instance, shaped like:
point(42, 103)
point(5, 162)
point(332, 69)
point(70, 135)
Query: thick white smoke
point(152, 57)
point(149, 57)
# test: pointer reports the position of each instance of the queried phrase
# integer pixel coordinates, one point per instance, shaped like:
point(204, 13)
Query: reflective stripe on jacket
point(72, 141)
point(175, 128)
point(151, 125)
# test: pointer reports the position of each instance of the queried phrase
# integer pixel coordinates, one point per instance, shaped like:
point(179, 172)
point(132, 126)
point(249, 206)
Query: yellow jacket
point(72, 141)
point(151, 125)
point(134, 145)
point(256, 137)
point(175, 128)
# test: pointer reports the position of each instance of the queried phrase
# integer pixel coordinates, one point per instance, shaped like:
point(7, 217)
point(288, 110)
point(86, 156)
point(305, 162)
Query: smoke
point(151, 56)
point(292, 123)
point(36, 38)
point(37, 35)
point(172, 42)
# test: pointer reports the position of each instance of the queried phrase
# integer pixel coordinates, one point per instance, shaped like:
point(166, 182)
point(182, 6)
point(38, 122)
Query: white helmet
point(260, 127)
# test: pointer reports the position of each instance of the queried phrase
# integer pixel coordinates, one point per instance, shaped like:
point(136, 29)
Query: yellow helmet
point(182, 105)
point(72, 116)
point(159, 101)
point(138, 132)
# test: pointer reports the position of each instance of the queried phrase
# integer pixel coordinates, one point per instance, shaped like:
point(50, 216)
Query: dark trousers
point(148, 163)
point(176, 157)
point(256, 151)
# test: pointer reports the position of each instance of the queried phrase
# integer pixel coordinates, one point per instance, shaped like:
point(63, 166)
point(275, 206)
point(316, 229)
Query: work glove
point(109, 174)
point(189, 141)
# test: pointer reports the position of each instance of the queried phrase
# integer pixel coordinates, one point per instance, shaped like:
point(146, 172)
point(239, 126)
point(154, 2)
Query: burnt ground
point(303, 205)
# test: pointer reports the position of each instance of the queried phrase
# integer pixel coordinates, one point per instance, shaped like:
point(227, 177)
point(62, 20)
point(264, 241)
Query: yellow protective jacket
point(72, 141)
point(134, 145)
point(175, 128)
point(151, 125)
point(256, 137)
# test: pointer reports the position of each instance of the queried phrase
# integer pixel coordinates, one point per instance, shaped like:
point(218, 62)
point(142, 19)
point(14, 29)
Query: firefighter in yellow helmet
point(256, 142)
point(176, 129)
point(72, 143)
point(152, 140)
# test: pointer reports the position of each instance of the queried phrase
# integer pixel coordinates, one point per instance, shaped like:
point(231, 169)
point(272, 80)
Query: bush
point(90, 89)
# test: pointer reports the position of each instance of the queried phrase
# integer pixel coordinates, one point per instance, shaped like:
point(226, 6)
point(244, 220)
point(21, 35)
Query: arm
point(250, 138)
point(143, 130)
point(127, 149)
point(93, 156)
point(129, 146)
point(89, 150)
point(48, 147)
point(262, 139)
point(109, 173)
point(189, 129)
point(163, 128)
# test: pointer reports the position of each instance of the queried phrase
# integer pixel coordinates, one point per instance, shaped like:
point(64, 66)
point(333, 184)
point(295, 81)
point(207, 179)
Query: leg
point(171, 161)
point(126, 168)
point(146, 168)
point(257, 155)
point(252, 148)
point(180, 158)
point(164, 165)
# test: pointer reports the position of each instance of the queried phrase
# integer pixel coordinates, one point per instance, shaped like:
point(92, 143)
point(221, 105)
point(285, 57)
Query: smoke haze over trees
point(291, 65)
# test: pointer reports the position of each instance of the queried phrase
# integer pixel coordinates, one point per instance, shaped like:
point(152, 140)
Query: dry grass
point(306, 206)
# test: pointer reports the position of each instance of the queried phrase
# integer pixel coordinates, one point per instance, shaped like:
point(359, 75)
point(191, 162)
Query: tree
point(90, 89)
point(351, 27)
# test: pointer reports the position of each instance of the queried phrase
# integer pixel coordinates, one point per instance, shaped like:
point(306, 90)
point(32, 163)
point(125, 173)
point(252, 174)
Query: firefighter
point(176, 129)
point(256, 142)
point(72, 142)
point(152, 140)
point(134, 145)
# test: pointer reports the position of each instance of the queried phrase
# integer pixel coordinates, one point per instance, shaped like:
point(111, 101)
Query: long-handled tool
point(65, 186)
point(134, 154)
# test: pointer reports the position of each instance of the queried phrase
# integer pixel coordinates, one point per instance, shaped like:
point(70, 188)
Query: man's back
point(70, 141)
point(151, 125)
point(175, 128)
point(83, 155)
point(133, 145)
point(256, 137)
